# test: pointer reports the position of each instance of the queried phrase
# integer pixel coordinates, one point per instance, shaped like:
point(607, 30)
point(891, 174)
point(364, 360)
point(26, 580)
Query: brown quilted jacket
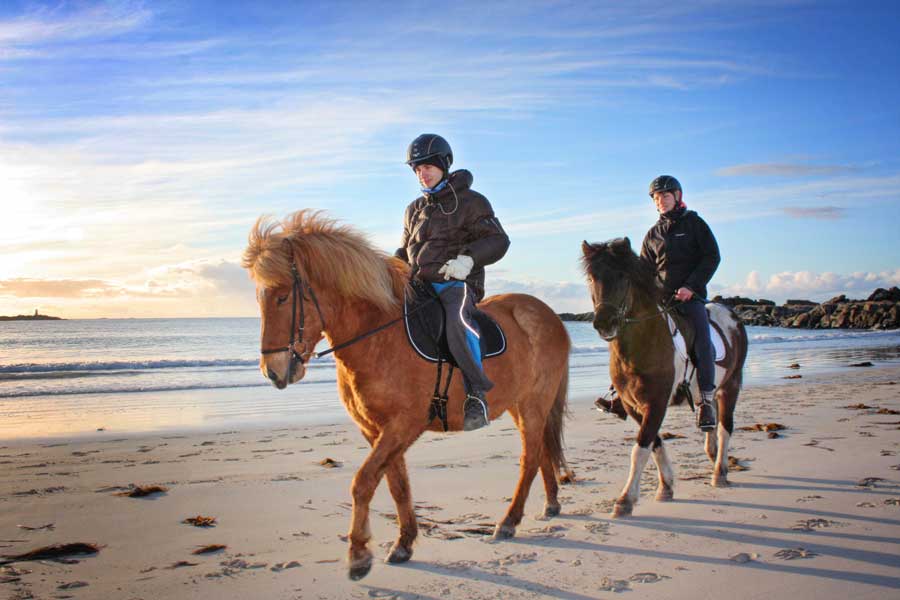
point(456, 220)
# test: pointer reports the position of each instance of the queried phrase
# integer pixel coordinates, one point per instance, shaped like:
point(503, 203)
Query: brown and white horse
point(645, 367)
point(318, 279)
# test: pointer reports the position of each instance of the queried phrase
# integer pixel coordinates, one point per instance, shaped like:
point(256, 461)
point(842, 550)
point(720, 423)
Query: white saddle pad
point(681, 347)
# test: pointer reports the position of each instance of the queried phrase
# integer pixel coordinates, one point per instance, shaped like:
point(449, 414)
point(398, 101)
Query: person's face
point(664, 201)
point(428, 175)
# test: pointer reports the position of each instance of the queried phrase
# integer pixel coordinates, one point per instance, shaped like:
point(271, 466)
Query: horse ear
point(627, 243)
point(586, 248)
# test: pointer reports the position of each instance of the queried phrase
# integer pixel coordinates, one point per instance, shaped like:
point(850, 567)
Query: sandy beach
point(815, 513)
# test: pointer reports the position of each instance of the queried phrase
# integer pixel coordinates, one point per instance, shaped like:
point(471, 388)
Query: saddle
point(683, 337)
point(424, 320)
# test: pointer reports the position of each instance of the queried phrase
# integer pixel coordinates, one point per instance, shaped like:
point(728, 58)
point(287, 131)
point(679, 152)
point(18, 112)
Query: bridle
point(297, 295)
point(621, 310)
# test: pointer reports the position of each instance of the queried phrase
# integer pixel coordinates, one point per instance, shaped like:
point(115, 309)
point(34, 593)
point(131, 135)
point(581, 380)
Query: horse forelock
point(331, 255)
point(616, 255)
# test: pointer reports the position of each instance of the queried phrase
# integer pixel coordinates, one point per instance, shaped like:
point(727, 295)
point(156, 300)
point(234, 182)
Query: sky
point(139, 141)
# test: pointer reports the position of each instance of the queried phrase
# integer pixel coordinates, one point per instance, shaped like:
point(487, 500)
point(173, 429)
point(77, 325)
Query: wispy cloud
point(49, 25)
point(814, 212)
point(785, 170)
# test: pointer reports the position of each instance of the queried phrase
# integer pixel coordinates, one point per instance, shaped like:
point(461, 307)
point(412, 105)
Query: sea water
point(74, 377)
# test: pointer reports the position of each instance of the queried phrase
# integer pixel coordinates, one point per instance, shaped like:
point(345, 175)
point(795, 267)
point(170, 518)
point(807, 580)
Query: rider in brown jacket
point(450, 234)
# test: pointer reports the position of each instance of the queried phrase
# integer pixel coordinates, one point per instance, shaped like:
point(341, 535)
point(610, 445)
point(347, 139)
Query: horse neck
point(637, 337)
point(352, 318)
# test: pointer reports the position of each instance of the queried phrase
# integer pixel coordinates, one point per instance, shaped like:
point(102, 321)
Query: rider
point(450, 234)
point(684, 252)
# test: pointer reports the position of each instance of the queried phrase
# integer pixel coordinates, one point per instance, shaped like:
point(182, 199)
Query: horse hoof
point(398, 554)
point(504, 532)
point(720, 482)
point(360, 567)
point(665, 494)
point(551, 510)
point(622, 509)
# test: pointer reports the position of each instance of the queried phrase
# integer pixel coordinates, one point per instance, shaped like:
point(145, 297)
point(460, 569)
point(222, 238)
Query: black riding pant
point(695, 311)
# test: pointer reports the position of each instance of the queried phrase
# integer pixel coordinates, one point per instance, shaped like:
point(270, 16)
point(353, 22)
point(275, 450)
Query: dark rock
point(883, 295)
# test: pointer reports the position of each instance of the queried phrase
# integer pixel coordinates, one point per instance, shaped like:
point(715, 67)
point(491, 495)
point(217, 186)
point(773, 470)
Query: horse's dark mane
point(617, 255)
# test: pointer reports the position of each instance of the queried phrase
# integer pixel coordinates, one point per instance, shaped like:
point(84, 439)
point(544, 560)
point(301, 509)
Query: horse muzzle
point(608, 329)
point(282, 369)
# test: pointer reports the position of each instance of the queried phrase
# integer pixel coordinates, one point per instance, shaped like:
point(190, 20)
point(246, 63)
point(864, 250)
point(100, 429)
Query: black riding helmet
point(664, 183)
point(432, 149)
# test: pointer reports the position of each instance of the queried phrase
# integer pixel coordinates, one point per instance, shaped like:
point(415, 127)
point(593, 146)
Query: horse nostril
point(271, 374)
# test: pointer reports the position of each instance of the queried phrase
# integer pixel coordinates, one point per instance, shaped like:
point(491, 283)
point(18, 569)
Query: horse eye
point(282, 299)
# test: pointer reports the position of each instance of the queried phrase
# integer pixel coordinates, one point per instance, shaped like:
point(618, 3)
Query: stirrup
point(610, 403)
point(706, 415)
point(475, 412)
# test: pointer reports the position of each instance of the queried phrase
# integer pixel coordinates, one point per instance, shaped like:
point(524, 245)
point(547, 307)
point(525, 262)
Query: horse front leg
point(398, 483)
point(666, 489)
point(648, 433)
point(530, 461)
point(365, 482)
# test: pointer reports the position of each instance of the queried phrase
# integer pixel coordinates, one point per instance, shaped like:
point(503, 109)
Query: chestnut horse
point(644, 366)
point(316, 278)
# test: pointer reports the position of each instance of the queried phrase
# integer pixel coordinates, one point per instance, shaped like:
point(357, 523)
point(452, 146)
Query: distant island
point(881, 310)
point(35, 317)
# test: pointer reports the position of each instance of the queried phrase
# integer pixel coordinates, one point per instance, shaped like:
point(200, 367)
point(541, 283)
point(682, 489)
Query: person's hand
point(457, 268)
point(683, 294)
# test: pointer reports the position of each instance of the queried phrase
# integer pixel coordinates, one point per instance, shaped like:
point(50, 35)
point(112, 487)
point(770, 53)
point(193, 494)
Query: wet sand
point(816, 513)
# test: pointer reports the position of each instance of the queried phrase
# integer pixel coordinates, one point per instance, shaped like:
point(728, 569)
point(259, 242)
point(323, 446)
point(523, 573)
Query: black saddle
point(424, 320)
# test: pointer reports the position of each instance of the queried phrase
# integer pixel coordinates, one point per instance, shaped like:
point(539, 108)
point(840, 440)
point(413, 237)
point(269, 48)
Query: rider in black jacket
point(684, 252)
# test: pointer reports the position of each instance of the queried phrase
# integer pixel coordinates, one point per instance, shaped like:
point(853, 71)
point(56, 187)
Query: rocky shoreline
point(881, 310)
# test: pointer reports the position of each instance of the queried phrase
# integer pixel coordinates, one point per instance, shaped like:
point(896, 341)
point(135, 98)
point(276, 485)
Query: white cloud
point(809, 285)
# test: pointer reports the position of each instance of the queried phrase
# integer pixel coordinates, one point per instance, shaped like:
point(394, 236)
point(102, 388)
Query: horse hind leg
point(666, 490)
point(398, 483)
point(726, 400)
point(551, 486)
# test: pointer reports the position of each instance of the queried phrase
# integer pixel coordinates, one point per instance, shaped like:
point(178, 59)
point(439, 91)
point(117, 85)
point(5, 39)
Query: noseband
point(297, 295)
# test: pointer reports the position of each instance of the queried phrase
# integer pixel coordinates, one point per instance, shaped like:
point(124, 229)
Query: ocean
point(78, 377)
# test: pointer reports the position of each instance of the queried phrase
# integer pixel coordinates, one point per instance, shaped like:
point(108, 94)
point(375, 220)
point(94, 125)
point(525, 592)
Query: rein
point(623, 308)
point(362, 336)
point(297, 331)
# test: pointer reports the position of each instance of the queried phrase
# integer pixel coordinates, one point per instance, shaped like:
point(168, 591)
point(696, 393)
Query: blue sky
point(139, 141)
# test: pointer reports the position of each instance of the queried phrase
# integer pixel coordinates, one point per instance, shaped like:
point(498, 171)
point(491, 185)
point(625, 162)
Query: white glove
point(457, 268)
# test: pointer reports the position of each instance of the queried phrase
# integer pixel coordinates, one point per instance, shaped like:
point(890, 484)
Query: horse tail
point(553, 430)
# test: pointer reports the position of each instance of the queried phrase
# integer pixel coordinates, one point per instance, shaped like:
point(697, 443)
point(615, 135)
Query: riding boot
point(706, 416)
point(475, 411)
point(611, 404)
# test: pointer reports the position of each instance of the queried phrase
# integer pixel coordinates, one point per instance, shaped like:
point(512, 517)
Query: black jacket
point(456, 220)
point(683, 251)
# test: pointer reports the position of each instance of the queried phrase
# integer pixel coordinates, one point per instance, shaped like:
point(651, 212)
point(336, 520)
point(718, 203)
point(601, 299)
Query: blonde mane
point(332, 256)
